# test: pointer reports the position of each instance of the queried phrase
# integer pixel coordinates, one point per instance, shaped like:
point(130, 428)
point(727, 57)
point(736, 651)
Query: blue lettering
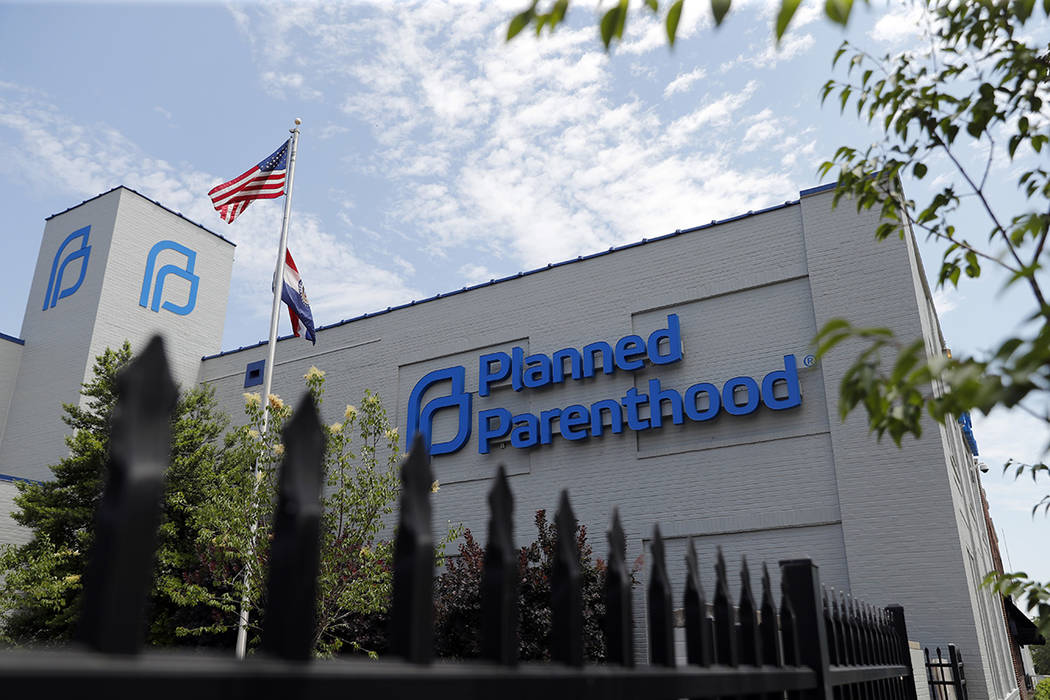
point(537, 371)
point(526, 430)
point(575, 364)
point(615, 416)
point(631, 402)
point(487, 375)
point(486, 431)
point(673, 335)
point(779, 390)
point(573, 417)
point(547, 419)
point(628, 347)
point(714, 404)
point(517, 356)
point(729, 396)
point(788, 375)
point(588, 358)
point(656, 398)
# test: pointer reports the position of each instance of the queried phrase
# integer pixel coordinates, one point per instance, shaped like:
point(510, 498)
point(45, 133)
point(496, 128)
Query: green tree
point(41, 588)
point(1041, 659)
point(1042, 689)
point(976, 85)
point(362, 478)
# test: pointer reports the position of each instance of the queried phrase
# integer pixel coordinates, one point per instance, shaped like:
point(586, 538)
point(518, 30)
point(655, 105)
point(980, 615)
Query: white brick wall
point(10, 531)
point(10, 358)
point(880, 522)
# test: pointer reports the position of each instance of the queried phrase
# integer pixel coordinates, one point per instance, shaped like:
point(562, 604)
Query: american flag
point(264, 181)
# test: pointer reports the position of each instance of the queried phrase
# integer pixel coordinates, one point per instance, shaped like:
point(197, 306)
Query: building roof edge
point(153, 201)
point(524, 273)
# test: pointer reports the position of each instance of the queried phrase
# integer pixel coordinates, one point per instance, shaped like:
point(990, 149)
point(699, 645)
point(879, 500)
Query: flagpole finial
point(298, 121)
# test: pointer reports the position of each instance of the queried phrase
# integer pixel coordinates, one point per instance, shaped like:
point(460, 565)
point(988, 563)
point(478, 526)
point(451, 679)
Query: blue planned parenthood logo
point(55, 291)
point(421, 418)
point(162, 274)
point(635, 410)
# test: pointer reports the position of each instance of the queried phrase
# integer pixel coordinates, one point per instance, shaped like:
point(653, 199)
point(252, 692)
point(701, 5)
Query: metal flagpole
point(271, 349)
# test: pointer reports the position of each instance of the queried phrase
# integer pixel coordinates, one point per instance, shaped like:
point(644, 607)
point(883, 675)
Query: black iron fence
point(946, 677)
point(803, 644)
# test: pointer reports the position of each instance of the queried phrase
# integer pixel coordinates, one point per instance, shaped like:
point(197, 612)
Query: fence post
point(958, 679)
point(566, 589)
point(661, 620)
point(902, 650)
point(801, 580)
point(749, 651)
point(412, 605)
point(725, 616)
point(499, 579)
point(291, 600)
point(117, 580)
point(619, 642)
point(699, 637)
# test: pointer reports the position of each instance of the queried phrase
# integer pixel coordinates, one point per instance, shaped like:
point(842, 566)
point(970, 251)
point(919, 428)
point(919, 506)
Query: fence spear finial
point(619, 641)
point(295, 552)
point(661, 620)
point(117, 580)
point(412, 608)
point(566, 589)
point(499, 578)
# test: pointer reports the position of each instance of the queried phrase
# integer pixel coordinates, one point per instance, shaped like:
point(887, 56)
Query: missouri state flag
point(294, 295)
point(264, 181)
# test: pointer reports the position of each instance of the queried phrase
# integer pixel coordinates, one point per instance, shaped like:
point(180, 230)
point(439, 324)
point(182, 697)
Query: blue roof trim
point(548, 266)
point(19, 341)
point(17, 479)
point(125, 187)
point(818, 189)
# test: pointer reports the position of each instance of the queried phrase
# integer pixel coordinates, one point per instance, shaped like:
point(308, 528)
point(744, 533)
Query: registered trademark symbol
point(808, 360)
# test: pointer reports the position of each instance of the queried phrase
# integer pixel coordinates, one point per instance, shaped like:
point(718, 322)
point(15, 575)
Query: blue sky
point(435, 155)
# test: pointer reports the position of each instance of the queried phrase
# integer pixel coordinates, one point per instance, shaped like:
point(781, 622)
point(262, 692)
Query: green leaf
point(613, 22)
point(919, 170)
point(719, 8)
point(653, 5)
point(558, 13)
point(1023, 9)
point(787, 11)
point(520, 21)
point(838, 10)
point(838, 53)
point(673, 15)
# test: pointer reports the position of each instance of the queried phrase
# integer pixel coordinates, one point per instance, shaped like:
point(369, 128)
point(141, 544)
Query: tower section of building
point(116, 267)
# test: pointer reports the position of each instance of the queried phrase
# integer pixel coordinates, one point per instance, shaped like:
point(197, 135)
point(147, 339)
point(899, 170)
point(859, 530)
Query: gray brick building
point(711, 324)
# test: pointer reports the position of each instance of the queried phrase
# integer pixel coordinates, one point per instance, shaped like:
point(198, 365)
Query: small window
point(253, 373)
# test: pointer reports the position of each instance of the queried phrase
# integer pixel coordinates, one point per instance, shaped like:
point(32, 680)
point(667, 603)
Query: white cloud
point(1012, 434)
point(684, 81)
point(476, 274)
point(279, 84)
point(765, 55)
point(715, 113)
point(946, 299)
point(903, 22)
